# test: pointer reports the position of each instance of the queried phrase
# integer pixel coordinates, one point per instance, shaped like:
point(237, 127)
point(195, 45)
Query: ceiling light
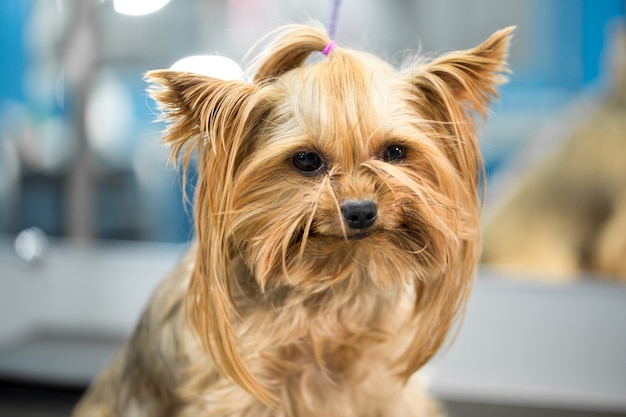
point(138, 7)
point(211, 65)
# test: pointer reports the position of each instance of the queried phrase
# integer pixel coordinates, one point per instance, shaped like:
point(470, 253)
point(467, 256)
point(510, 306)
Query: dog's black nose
point(359, 214)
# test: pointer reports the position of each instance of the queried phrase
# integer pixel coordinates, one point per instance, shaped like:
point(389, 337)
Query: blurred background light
point(138, 7)
point(210, 65)
point(109, 119)
point(30, 245)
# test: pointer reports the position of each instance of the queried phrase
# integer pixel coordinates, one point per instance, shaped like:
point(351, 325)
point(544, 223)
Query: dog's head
point(341, 172)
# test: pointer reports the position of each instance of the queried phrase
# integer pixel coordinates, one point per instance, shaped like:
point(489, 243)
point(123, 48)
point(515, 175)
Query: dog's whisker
point(307, 228)
point(337, 206)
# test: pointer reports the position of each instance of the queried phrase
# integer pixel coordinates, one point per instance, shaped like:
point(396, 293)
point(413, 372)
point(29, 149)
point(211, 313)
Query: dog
point(337, 220)
point(566, 217)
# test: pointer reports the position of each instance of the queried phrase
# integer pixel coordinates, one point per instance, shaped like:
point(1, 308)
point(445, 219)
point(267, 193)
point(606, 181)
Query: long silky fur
point(278, 294)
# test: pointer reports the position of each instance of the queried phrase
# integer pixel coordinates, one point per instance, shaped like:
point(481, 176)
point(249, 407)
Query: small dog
point(337, 218)
point(567, 216)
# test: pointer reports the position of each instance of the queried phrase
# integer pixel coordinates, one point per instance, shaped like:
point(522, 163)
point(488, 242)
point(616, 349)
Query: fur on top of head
point(280, 155)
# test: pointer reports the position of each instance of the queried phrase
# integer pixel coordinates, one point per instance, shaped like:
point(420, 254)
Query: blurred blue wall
point(13, 57)
point(564, 53)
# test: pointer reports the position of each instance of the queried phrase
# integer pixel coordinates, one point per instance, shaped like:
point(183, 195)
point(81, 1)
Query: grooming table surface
point(522, 343)
point(561, 346)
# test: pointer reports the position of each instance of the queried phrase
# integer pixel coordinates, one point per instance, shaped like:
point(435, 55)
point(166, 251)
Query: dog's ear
point(457, 87)
point(468, 77)
point(200, 111)
point(449, 93)
point(218, 120)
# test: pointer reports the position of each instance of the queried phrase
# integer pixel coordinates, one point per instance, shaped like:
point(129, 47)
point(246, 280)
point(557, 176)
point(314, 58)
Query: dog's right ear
point(198, 110)
point(219, 120)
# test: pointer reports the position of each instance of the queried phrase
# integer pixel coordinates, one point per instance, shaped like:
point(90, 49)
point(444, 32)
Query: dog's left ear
point(458, 86)
point(469, 77)
point(449, 94)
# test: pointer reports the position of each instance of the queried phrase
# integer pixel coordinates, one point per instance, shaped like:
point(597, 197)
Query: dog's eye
point(307, 163)
point(394, 153)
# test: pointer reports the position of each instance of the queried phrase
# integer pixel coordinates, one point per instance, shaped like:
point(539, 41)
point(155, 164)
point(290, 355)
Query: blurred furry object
point(569, 214)
point(336, 212)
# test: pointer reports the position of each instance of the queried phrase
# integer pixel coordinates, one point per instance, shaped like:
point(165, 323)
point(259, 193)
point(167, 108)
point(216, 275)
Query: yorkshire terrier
point(566, 218)
point(337, 216)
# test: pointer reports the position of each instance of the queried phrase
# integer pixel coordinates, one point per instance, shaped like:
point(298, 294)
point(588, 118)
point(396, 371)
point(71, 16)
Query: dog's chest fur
point(319, 359)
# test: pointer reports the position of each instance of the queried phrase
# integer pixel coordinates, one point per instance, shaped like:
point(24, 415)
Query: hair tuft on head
point(287, 48)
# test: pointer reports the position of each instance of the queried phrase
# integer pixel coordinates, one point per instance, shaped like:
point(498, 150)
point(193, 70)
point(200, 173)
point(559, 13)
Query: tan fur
point(567, 216)
point(280, 308)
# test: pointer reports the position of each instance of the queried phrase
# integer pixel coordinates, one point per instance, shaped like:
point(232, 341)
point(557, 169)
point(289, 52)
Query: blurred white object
point(210, 65)
point(31, 245)
point(138, 7)
point(109, 119)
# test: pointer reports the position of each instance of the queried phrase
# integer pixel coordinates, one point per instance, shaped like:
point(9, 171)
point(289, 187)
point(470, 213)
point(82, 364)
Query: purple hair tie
point(328, 48)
